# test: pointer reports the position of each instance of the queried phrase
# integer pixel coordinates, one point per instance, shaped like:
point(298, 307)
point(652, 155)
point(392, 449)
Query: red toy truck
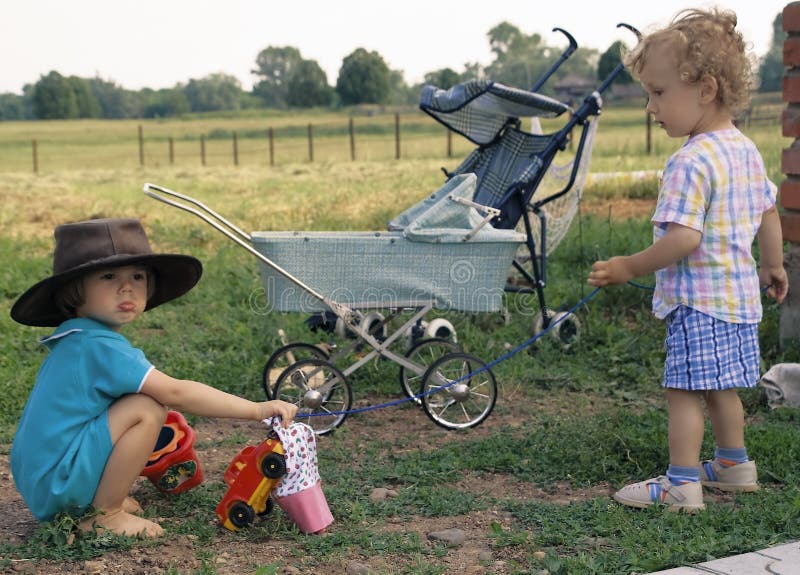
point(251, 477)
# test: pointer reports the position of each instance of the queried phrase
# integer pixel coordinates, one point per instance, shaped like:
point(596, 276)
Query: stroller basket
point(446, 255)
point(364, 270)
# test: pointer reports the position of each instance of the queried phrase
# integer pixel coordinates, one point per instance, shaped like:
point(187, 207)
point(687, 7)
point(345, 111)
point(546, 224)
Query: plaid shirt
point(715, 184)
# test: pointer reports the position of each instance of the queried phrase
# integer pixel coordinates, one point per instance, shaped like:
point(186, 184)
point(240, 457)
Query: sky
point(160, 43)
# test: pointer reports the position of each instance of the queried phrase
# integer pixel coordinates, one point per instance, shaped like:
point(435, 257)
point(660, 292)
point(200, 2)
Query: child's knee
point(137, 410)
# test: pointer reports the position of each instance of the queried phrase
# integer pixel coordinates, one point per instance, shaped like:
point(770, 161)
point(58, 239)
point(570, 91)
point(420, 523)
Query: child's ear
point(709, 88)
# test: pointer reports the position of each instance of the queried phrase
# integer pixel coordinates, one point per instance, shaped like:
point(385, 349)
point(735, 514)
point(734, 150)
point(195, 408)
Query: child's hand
point(777, 280)
point(610, 272)
point(277, 408)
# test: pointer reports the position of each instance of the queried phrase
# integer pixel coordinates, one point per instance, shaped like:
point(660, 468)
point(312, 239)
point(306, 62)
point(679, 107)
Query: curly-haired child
point(714, 200)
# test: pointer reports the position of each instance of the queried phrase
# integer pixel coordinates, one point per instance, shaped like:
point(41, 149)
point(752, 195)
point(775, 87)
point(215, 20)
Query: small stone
point(380, 494)
point(485, 555)
point(356, 568)
point(539, 555)
point(94, 566)
point(450, 537)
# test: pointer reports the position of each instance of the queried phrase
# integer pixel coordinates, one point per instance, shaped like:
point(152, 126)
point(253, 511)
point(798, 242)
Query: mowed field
point(530, 487)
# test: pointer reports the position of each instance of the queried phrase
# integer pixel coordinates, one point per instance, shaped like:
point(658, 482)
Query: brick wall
point(790, 167)
point(790, 160)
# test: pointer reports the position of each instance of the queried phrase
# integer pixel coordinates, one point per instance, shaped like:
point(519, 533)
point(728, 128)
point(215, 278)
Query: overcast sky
point(159, 43)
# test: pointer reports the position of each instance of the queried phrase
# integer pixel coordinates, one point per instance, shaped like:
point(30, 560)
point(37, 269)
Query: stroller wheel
point(423, 353)
point(455, 396)
point(319, 390)
point(282, 358)
point(566, 332)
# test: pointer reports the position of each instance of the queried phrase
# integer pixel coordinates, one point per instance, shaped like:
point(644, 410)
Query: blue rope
point(486, 367)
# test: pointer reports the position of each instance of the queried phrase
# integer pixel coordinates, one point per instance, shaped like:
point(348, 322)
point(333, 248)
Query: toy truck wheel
point(241, 515)
point(273, 466)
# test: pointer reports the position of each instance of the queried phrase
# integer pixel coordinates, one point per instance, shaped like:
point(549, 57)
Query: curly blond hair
point(706, 42)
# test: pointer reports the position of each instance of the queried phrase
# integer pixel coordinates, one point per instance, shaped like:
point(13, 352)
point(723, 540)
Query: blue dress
point(63, 439)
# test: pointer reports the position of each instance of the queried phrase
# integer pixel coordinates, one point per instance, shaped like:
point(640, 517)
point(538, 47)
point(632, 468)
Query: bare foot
point(122, 523)
point(130, 505)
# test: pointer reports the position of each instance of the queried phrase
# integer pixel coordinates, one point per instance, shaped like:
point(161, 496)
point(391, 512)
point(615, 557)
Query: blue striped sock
point(728, 456)
point(678, 475)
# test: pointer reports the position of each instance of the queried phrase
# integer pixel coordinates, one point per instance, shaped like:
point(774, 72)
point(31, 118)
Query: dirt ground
point(237, 555)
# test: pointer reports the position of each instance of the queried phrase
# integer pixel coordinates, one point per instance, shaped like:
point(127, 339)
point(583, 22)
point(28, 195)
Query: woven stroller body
point(428, 261)
point(509, 160)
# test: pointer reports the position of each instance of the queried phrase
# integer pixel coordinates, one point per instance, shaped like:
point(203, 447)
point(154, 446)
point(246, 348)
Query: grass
point(595, 414)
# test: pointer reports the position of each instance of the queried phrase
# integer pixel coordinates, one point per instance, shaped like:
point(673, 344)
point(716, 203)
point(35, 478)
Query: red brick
point(790, 120)
point(791, 51)
point(790, 159)
point(791, 86)
point(790, 193)
point(790, 224)
point(791, 17)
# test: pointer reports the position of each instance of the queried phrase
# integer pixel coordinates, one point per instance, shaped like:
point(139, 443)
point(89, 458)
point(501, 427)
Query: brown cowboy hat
point(93, 244)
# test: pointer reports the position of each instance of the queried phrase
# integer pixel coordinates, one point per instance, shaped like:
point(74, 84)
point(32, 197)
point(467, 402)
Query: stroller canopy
point(479, 109)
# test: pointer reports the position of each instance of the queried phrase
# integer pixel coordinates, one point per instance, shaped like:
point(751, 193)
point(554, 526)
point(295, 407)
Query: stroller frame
point(458, 391)
point(517, 201)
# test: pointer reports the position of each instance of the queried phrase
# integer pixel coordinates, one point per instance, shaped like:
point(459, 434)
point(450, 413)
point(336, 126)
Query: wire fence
point(44, 147)
point(106, 144)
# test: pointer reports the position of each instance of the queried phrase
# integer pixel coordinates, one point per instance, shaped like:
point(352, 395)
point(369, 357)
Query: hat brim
point(175, 274)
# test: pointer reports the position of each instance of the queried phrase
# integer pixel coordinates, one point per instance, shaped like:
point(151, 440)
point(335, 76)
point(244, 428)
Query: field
point(530, 488)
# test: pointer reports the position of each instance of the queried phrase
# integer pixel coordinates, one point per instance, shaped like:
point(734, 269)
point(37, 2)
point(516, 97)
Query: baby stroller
point(450, 252)
point(512, 165)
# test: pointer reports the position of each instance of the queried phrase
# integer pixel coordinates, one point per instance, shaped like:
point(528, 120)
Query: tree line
point(286, 80)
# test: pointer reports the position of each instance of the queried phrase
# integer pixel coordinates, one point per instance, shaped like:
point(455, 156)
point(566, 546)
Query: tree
point(274, 66)
point(400, 93)
point(165, 103)
point(610, 59)
point(444, 78)
point(307, 86)
point(88, 106)
point(114, 101)
point(521, 59)
point(12, 107)
point(53, 98)
point(771, 69)
point(213, 93)
point(364, 78)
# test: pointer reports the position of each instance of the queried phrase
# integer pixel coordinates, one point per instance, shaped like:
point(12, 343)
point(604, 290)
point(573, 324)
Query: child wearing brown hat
point(98, 405)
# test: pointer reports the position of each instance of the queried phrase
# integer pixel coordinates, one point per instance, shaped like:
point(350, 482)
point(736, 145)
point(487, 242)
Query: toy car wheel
point(273, 465)
point(458, 391)
point(241, 514)
point(282, 358)
point(269, 506)
point(319, 390)
point(423, 353)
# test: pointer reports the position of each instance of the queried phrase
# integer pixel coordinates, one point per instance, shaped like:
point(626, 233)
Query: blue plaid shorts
point(706, 354)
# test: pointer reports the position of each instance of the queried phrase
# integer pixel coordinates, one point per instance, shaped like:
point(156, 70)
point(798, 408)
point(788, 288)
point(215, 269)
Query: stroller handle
point(237, 236)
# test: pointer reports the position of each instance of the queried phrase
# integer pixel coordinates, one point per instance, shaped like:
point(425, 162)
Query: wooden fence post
point(449, 143)
point(271, 147)
point(789, 325)
point(171, 150)
point(352, 141)
point(141, 146)
point(235, 150)
point(397, 136)
point(35, 156)
point(649, 133)
point(310, 143)
point(203, 149)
